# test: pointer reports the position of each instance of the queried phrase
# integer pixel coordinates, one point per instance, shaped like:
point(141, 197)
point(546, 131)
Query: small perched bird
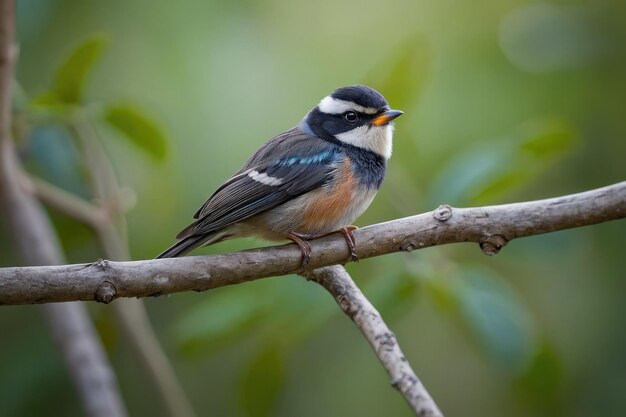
point(312, 180)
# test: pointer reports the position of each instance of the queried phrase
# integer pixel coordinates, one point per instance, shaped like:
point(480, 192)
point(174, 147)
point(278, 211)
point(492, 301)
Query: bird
point(312, 180)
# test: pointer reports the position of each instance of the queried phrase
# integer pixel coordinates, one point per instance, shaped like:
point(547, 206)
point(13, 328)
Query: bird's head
point(356, 115)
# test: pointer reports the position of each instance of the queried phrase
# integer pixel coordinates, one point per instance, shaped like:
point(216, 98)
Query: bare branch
point(65, 202)
point(353, 302)
point(137, 329)
point(131, 314)
point(85, 359)
point(135, 324)
point(37, 243)
point(7, 63)
point(492, 227)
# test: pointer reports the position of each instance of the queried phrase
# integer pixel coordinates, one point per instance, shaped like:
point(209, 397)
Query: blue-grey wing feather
point(301, 162)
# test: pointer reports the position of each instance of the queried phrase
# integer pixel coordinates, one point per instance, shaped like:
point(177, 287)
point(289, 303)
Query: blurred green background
point(504, 100)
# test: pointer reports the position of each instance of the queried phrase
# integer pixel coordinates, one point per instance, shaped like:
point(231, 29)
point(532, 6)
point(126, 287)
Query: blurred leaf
point(541, 382)
point(402, 74)
point(54, 156)
point(19, 100)
point(545, 37)
point(496, 317)
point(44, 375)
point(218, 320)
point(298, 309)
point(70, 78)
point(107, 330)
point(492, 312)
point(440, 290)
point(467, 172)
point(491, 191)
point(487, 171)
point(46, 99)
point(140, 129)
point(262, 382)
point(546, 138)
point(393, 294)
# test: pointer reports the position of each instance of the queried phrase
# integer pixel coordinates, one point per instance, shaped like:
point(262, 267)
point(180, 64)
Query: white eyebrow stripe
point(263, 178)
point(331, 105)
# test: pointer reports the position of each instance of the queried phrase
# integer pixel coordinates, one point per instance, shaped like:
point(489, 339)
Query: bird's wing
point(287, 166)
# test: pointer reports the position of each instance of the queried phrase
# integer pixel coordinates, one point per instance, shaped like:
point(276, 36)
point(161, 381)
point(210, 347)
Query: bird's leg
point(350, 240)
point(301, 240)
point(305, 247)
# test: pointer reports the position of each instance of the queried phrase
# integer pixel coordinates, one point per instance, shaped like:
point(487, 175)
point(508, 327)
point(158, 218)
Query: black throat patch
point(369, 167)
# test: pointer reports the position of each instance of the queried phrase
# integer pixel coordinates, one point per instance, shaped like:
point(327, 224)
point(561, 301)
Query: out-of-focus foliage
point(259, 399)
point(504, 101)
point(70, 77)
point(540, 383)
point(233, 315)
point(492, 312)
point(139, 129)
point(486, 172)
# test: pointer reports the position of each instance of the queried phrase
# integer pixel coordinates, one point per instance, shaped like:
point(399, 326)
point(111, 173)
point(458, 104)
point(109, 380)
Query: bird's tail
point(189, 243)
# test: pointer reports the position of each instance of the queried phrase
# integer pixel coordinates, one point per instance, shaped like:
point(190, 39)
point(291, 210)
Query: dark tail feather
point(182, 247)
point(186, 245)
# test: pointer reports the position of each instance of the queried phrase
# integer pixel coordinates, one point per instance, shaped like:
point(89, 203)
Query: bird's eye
point(351, 116)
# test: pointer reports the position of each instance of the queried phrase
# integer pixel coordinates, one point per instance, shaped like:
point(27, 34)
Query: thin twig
point(353, 302)
point(7, 63)
point(492, 227)
point(36, 242)
point(130, 314)
point(65, 202)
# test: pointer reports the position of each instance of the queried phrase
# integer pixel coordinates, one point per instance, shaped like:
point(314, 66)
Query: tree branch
point(353, 302)
point(37, 244)
point(7, 62)
point(131, 314)
point(492, 227)
point(65, 202)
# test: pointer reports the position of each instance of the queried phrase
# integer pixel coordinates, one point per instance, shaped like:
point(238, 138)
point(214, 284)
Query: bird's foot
point(347, 233)
point(301, 240)
point(305, 247)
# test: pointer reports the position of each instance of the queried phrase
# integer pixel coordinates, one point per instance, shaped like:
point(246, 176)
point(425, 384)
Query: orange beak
point(386, 117)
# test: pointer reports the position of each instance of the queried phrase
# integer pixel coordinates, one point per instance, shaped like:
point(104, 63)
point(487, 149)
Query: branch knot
point(106, 292)
point(101, 264)
point(492, 244)
point(443, 213)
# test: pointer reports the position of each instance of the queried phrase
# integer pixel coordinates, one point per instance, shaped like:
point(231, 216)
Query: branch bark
point(491, 227)
point(353, 302)
point(37, 244)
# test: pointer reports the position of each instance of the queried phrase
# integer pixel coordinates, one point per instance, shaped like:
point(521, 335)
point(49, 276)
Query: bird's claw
point(301, 240)
point(348, 234)
point(304, 246)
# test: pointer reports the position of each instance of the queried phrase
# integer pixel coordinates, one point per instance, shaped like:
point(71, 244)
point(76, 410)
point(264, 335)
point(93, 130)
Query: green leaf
point(47, 99)
point(499, 185)
point(402, 74)
point(107, 330)
point(496, 317)
point(541, 383)
point(487, 171)
point(440, 290)
point(394, 294)
point(546, 138)
point(217, 321)
point(263, 382)
point(140, 129)
point(491, 312)
point(70, 78)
